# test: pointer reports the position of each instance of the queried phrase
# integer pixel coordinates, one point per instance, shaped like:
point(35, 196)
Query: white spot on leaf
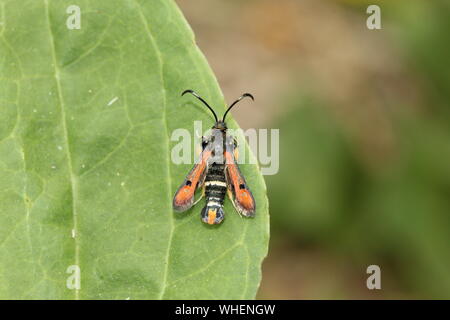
point(113, 100)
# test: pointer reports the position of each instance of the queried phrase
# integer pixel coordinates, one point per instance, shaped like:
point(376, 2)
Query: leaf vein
point(72, 178)
point(169, 179)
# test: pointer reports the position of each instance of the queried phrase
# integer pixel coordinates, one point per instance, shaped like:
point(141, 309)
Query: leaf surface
point(86, 176)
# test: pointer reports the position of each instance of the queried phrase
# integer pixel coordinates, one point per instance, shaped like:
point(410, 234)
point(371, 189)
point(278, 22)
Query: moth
point(216, 173)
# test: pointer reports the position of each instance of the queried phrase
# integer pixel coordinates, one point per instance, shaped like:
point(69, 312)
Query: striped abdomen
point(215, 190)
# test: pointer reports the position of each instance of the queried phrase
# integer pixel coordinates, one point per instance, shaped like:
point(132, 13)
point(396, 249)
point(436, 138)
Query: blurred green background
point(364, 123)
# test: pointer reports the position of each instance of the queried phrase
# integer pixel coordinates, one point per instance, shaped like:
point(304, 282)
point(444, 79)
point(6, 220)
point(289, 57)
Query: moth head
point(220, 125)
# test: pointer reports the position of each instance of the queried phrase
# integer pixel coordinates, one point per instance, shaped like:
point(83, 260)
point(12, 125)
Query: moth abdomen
point(215, 191)
point(212, 213)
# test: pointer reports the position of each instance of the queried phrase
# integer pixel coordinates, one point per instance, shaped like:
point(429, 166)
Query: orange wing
point(184, 197)
point(241, 196)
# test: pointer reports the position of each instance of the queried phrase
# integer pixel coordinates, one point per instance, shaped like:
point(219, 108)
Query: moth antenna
point(239, 99)
point(201, 99)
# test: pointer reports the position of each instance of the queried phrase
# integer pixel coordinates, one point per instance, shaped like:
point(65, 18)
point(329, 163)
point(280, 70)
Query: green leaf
point(86, 174)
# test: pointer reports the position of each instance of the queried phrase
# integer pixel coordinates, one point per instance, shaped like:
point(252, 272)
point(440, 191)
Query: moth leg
point(196, 201)
point(230, 195)
point(201, 196)
point(201, 184)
